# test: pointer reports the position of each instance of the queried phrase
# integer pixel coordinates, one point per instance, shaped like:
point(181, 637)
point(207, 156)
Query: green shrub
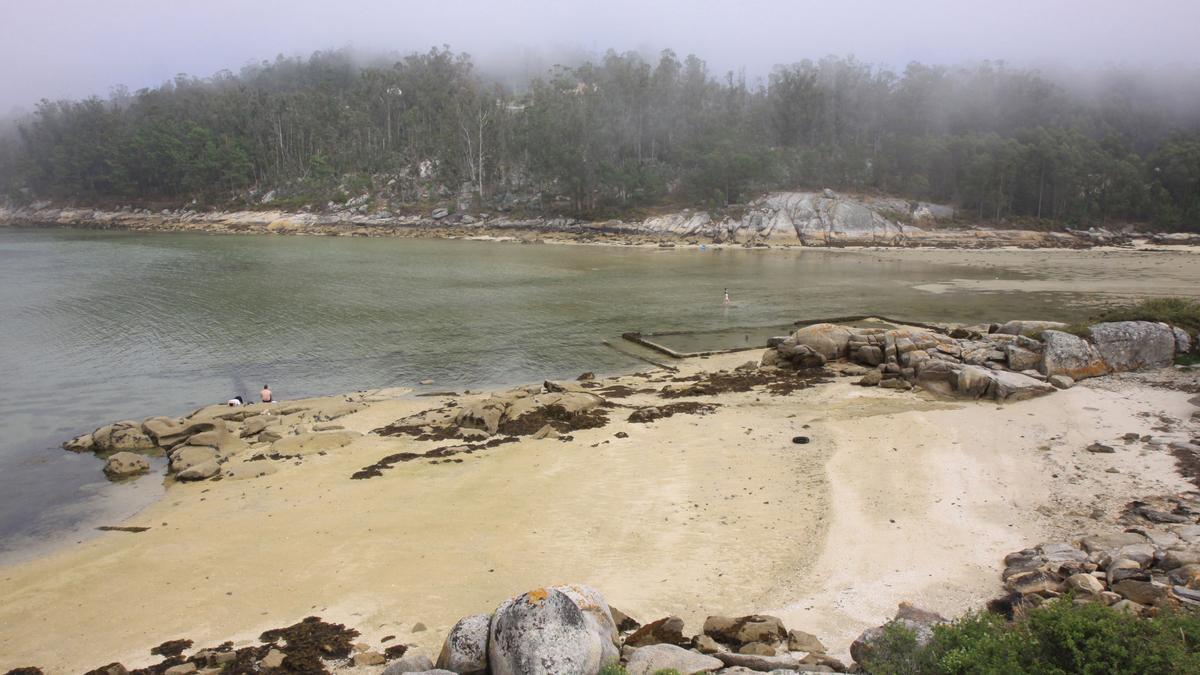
point(1059, 637)
point(895, 652)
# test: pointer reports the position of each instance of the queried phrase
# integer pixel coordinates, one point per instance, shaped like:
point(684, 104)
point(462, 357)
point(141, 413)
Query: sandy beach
point(898, 496)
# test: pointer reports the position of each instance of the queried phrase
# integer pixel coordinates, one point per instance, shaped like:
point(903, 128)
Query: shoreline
point(657, 534)
point(686, 229)
point(645, 241)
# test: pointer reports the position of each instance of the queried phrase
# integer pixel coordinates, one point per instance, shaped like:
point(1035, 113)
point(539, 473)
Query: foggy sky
point(74, 48)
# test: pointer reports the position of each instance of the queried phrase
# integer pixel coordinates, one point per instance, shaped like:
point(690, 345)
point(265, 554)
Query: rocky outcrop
point(126, 436)
point(821, 219)
point(906, 356)
point(523, 411)
point(219, 439)
point(1018, 361)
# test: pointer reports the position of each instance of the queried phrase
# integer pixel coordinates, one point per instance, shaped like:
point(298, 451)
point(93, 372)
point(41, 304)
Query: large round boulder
point(465, 650)
point(598, 617)
point(543, 632)
point(1133, 345)
point(827, 339)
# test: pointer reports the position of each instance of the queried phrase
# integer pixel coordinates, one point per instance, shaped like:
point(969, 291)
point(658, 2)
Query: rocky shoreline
point(1147, 560)
point(785, 219)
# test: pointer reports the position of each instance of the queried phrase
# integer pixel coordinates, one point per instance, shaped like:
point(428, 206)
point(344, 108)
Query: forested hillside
point(602, 138)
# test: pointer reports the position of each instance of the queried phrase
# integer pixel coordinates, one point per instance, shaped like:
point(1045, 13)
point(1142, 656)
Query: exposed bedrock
point(1020, 360)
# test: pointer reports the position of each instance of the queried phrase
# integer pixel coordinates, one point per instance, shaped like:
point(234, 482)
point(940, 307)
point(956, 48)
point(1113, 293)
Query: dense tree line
point(624, 132)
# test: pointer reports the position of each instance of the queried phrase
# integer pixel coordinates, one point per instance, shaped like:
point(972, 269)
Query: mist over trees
point(604, 138)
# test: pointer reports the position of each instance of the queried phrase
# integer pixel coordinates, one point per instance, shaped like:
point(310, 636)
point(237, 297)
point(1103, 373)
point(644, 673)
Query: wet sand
point(1098, 274)
point(689, 515)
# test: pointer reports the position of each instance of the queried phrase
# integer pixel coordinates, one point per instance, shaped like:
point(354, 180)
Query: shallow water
point(101, 326)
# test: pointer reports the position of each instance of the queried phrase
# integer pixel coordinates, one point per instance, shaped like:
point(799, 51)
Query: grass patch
point(1082, 330)
point(1187, 359)
point(618, 669)
point(1058, 637)
point(1179, 312)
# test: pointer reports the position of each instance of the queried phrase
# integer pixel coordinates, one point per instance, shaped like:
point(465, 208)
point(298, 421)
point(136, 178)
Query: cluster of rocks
point(544, 410)
point(1154, 564)
point(220, 441)
point(1009, 362)
point(572, 629)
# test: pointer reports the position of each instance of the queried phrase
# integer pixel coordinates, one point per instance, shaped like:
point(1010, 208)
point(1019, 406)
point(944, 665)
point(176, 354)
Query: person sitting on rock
point(236, 401)
point(266, 394)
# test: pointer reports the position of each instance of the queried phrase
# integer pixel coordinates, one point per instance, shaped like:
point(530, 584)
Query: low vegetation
point(1059, 637)
point(1180, 312)
point(617, 669)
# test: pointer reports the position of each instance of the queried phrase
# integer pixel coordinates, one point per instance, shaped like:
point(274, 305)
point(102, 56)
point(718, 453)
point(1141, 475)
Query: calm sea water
point(101, 326)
